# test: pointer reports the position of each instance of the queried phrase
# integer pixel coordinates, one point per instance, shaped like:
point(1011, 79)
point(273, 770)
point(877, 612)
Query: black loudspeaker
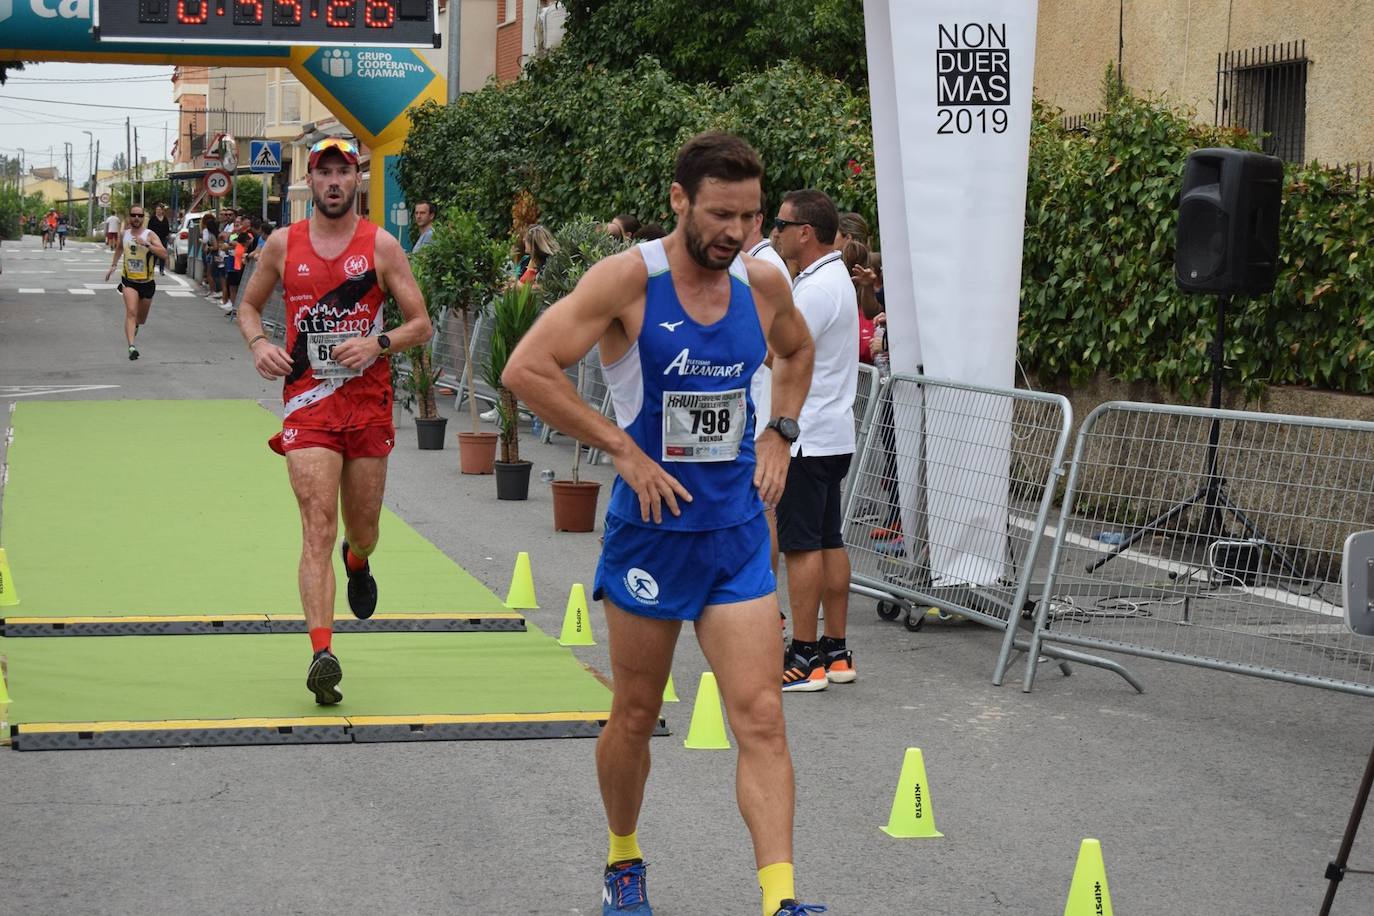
point(1228, 222)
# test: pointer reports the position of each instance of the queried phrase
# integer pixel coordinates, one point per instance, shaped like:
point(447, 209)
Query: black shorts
point(809, 511)
point(145, 288)
point(232, 277)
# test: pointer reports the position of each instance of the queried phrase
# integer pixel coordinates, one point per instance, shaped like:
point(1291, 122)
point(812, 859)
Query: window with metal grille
point(1264, 91)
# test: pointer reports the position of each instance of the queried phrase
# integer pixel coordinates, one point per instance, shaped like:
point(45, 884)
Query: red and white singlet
point(328, 302)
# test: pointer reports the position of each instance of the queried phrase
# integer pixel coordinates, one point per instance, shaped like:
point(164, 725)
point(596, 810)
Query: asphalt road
point(1211, 793)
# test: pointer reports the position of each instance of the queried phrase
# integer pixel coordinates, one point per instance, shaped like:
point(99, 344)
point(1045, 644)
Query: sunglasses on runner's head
point(780, 224)
point(337, 144)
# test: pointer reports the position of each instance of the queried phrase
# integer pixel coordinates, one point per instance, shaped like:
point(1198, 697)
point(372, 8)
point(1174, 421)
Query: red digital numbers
point(247, 12)
point(380, 14)
point(341, 14)
point(193, 12)
point(286, 12)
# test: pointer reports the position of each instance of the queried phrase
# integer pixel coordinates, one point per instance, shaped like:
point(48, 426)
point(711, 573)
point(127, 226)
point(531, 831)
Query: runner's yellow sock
point(778, 883)
point(624, 848)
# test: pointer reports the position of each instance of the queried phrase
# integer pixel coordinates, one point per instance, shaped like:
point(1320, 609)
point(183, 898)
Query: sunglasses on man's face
point(780, 224)
point(135, 216)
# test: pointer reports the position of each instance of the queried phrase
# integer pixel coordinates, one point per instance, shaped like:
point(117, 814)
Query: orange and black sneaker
point(803, 674)
point(838, 661)
point(839, 667)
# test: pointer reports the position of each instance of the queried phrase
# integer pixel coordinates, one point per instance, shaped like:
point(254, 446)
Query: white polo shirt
point(825, 295)
point(761, 385)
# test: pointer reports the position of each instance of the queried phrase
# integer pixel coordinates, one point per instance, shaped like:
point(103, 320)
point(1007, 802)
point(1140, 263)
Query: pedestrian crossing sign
point(264, 155)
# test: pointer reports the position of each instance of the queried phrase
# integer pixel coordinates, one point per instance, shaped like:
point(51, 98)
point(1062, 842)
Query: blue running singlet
point(682, 393)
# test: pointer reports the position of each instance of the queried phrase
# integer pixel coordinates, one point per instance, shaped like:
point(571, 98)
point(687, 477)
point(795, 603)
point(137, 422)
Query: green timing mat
point(177, 509)
point(120, 692)
point(170, 517)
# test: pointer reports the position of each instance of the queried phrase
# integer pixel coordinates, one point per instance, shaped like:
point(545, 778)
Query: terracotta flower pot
point(477, 452)
point(574, 505)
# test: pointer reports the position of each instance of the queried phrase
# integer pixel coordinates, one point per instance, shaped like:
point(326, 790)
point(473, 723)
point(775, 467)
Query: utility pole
point(90, 186)
point(67, 153)
point(138, 163)
point(95, 171)
point(128, 159)
point(455, 42)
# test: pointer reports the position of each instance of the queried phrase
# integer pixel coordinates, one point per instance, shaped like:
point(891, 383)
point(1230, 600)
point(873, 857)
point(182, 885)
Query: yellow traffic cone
point(577, 626)
point(520, 595)
point(1088, 894)
point(913, 812)
point(707, 731)
point(670, 694)
point(8, 596)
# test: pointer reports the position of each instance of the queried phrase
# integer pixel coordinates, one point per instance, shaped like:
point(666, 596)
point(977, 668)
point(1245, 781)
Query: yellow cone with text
point(707, 732)
point(670, 692)
point(520, 595)
point(577, 625)
point(1088, 894)
point(913, 814)
point(8, 596)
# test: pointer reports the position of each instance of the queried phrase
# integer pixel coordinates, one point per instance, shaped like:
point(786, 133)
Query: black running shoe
point(362, 588)
point(323, 678)
point(133, 352)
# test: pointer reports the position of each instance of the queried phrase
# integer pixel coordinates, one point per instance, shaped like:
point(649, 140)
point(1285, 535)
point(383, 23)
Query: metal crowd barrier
point(1225, 556)
point(866, 406)
point(951, 492)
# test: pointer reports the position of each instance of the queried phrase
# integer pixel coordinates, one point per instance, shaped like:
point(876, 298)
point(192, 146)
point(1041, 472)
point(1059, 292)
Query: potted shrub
point(420, 382)
point(513, 313)
point(457, 270)
point(574, 501)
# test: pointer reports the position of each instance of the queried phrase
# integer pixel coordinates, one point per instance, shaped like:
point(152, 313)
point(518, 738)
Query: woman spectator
point(539, 243)
point(852, 228)
point(855, 256)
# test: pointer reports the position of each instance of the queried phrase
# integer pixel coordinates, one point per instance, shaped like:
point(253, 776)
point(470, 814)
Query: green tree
point(719, 41)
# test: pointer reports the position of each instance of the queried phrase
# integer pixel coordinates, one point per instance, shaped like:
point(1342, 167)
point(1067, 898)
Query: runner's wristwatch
point(786, 427)
point(385, 343)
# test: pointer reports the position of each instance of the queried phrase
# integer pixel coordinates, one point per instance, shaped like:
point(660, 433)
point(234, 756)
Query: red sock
point(319, 638)
point(353, 562)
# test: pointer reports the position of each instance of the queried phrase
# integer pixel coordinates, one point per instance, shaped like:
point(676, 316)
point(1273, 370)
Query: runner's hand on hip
point(271, 361)
point(772, 456)
point(652, 484)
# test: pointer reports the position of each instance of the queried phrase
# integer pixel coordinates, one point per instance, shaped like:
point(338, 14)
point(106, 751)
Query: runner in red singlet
point(335, 269)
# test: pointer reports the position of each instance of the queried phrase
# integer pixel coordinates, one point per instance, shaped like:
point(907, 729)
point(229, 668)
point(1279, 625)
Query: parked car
point(181, 245)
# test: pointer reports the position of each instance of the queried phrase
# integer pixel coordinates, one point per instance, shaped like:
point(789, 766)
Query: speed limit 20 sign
point(218, 183)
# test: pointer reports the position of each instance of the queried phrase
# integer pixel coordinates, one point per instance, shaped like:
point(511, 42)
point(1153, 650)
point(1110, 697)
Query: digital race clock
point(395, 23)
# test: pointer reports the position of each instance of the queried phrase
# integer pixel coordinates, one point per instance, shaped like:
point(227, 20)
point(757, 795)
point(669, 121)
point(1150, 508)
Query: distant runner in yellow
point(136, 282)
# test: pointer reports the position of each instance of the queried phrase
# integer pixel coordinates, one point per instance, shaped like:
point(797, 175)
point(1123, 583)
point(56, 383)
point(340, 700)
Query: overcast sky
point(33, 116)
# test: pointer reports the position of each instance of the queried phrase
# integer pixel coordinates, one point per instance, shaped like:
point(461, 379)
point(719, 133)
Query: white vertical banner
point(950, 83)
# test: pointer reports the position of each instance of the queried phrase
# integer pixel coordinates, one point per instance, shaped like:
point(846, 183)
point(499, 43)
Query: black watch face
point(788, 428)
point(384, 341)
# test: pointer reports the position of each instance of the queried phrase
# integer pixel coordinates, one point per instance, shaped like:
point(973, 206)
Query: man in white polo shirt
point(810, 527)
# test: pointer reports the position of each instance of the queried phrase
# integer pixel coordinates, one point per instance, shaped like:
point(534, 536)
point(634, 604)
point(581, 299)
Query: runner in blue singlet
point(683, 323)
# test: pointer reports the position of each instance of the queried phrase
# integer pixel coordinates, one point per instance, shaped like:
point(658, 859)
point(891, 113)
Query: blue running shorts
point(675, 575)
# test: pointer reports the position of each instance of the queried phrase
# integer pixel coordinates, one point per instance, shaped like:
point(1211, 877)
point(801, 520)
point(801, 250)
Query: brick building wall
point(509, 39)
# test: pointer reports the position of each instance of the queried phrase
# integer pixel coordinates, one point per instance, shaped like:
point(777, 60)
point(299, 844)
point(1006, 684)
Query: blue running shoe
point(625, 889)
point(793, 908)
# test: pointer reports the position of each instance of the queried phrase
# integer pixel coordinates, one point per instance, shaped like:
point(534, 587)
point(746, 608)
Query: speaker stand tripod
point(1337, 870)
point(1212, 494)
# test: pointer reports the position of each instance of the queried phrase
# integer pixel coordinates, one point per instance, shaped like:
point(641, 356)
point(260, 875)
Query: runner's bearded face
point(334, 185)
point(716, 223)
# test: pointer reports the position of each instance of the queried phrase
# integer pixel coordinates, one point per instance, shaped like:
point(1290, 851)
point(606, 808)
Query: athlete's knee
point(361, 543)
point(319, 528)
point(638, 714)
point(757, 719)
